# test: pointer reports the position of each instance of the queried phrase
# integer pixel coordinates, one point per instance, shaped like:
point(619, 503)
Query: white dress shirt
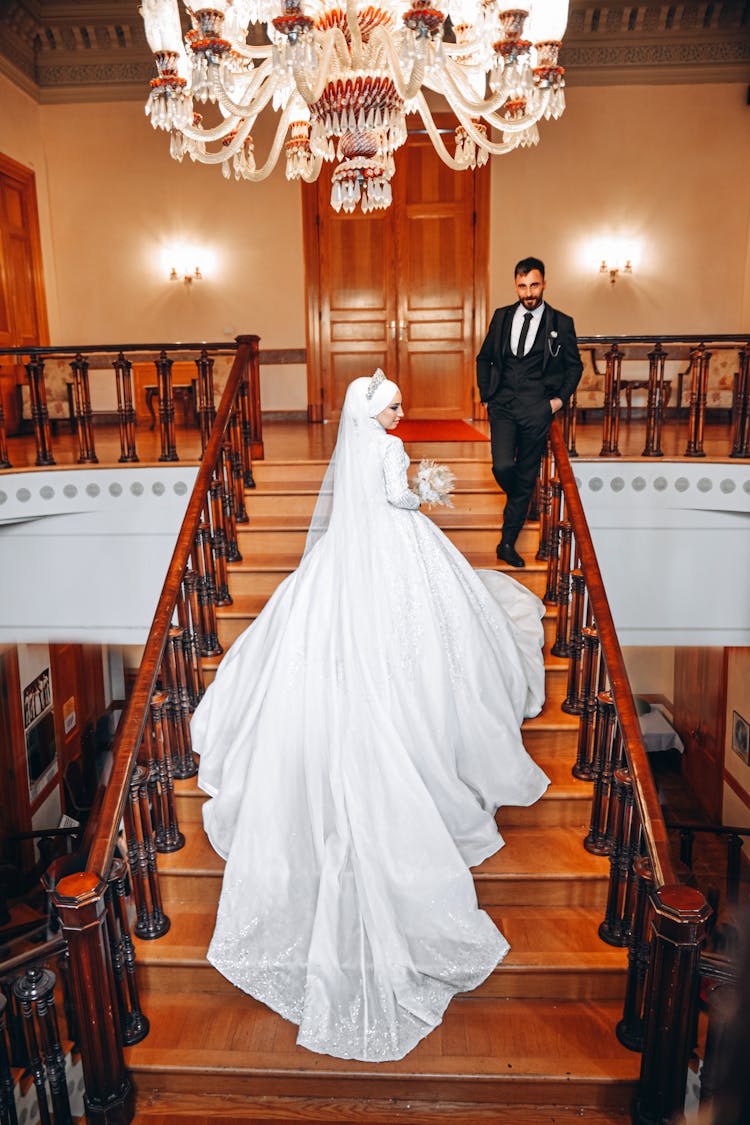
point(517, 324)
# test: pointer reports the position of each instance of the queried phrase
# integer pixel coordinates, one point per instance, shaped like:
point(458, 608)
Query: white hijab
point(354, 477)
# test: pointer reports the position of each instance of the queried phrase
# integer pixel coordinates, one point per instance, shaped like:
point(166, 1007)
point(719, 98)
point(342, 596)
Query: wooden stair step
point(486, 1050)
point(567, 801)
point(191, 1108)
point(537, 866)
point(469, 534)
point(290, 474)
point(555, 954)
point(483, 500)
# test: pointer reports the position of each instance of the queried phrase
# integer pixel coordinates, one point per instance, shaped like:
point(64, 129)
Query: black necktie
point(520, 350)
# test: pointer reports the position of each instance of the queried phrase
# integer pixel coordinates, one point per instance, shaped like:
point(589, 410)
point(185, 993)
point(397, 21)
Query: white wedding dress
point(356, 743)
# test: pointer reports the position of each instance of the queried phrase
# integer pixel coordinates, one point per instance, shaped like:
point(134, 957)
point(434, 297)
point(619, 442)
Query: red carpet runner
point(438, 431)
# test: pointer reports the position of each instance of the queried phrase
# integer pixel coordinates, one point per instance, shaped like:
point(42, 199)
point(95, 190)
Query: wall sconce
point(187, 278)
point(186, 263)
point(614, 269)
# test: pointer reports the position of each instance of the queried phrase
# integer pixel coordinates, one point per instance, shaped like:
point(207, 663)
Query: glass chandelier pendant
point(342, 75)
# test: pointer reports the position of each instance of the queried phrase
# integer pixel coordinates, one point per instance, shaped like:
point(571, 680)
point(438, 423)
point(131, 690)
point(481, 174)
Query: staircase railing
point(662, 923)
point(137, 817)
point(732, 836)
point(61, 377)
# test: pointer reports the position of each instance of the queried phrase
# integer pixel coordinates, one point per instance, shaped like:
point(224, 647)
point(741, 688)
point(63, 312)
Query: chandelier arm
point(198, 133)
point(434, 135)
point(311, 176)
point(407, 90)
point(482, 140)
point(477, 108)
point(262, 74)
point(273, 155)
point(519, 124)
point(335, 41)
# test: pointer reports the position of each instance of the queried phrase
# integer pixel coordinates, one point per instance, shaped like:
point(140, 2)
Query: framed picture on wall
point(37, 697)
point(741, 737)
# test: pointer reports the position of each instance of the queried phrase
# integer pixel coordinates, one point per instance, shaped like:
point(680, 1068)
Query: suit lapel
point(505, 330)
point(543, 334)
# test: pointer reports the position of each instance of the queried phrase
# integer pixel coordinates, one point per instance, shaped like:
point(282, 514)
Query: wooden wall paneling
point(311, 253)
point(699, 718)
point(15, 815)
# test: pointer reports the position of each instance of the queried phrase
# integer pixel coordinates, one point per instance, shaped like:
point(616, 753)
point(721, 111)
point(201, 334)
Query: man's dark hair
point(526, 265)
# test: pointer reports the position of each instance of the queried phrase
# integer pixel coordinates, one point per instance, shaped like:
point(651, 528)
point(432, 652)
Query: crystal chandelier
point(344, 74)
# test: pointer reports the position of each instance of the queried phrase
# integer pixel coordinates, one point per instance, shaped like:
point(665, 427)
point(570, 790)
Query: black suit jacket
point(561, 366)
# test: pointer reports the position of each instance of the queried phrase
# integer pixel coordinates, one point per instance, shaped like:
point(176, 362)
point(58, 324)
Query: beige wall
point(666, 166)
point(736, 808)
point(646, 163)
point(650, 670)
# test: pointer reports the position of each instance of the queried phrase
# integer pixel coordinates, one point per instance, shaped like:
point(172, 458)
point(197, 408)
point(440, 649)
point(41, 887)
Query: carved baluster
point(249, 407)
point(39, 412)
point(561, 647)
point(35, 994)
point(545, 506)
point(151, 920)
point(655, 402)
point(630, 1027)
point(550, 594)
point(7, 1099)
point(206, 407)
point(618, 762)
point(133, 1024)
point(206, 592)
point(570, 422)
point(183, 761)
point(168, 837)
point(741, 442)
point(4, 461)
point(229, 483)
point(125, 408)
point(602, 769)
point(615, 928)
point(678, 932)
point(82, 411)
point(572, 704)
point(236, 446)
point(699, 360)
point(166, 408)
point(219, 542)
point(611, 414)
point(582, 768)
point(187, 609)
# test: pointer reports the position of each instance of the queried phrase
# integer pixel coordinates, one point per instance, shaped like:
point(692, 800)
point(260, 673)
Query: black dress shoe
point(508, 554)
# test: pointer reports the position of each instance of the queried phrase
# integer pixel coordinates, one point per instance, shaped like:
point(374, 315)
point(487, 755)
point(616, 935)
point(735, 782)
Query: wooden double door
point(403, 289)
point(23, 311)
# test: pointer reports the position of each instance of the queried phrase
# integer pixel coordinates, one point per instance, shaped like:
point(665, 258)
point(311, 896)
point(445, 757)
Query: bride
point(356, 743)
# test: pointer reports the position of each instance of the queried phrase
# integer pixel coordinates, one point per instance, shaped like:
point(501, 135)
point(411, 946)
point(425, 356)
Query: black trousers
point(518, 438)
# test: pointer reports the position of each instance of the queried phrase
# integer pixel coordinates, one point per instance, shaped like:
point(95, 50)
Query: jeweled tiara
point(372, 386)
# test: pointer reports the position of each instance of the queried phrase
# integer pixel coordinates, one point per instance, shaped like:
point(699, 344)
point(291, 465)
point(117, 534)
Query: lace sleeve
point(395, 463)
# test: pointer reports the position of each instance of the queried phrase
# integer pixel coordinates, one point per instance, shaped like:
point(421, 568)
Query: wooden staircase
point(534, 1044)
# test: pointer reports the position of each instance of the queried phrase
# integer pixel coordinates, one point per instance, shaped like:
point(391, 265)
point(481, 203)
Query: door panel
point(398, 289)
point(699, 716)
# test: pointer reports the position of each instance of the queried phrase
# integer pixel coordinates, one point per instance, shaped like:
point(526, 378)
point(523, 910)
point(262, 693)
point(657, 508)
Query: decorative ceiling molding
point(89, 50)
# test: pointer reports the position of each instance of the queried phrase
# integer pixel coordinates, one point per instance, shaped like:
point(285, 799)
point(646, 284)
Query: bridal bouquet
point(434, 483)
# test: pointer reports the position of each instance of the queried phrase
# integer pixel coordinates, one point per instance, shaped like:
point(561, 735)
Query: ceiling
point(90, 50)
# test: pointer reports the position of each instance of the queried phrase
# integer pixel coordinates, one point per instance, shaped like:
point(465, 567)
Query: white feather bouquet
point(434, 483)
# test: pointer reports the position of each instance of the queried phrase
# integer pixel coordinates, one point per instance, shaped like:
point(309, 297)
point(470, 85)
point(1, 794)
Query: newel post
point(80, 903)
point(678, 932)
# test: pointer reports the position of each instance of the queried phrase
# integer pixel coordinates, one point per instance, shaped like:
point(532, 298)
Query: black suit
point(517, 391)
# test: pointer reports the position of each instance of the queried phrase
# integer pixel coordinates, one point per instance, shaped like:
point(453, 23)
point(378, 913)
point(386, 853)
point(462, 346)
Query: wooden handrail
point(132, 723)
point(654, 828)
point(31, 956)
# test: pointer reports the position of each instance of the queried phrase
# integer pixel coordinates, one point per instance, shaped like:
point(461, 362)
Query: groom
point(527, 368)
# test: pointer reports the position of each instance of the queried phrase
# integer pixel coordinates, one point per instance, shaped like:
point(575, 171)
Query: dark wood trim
point(311, 247)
